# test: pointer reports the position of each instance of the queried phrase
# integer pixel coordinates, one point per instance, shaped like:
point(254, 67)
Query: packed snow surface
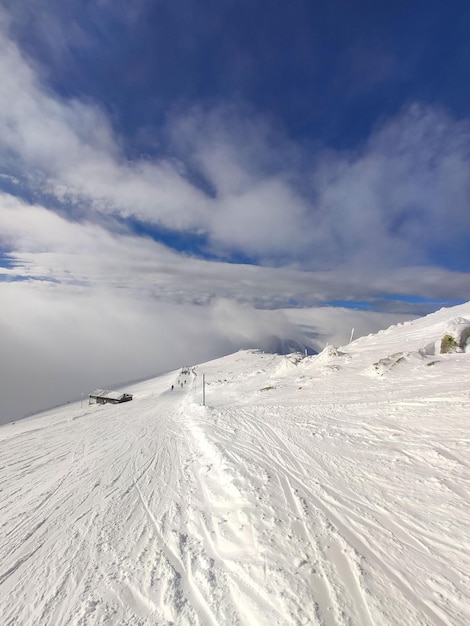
point(329, 490)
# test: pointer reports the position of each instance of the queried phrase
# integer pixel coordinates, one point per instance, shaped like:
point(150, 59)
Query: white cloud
point(368, 206)
point(267, 221)
point(70, 147)
point(47, 246)
point(391, 202)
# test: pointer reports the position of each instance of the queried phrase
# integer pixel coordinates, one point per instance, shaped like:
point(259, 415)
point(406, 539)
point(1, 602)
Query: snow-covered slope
point(331, 489)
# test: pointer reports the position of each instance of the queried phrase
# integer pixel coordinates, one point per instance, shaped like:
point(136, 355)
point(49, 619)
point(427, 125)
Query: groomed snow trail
point(298, 496)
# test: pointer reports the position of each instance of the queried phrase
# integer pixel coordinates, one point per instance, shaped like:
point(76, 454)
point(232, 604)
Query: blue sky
point(222, 160)
point(326, 71)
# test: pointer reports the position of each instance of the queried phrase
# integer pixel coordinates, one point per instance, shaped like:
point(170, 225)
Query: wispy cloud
point(356, 207)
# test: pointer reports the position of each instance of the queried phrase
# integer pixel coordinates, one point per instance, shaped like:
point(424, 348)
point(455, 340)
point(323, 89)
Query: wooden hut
point(102, 396)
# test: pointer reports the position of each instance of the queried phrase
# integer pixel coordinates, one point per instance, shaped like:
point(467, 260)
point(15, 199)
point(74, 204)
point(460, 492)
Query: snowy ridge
point(328, 489)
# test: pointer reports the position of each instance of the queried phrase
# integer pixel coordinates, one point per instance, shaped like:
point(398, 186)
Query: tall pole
point(203, 390)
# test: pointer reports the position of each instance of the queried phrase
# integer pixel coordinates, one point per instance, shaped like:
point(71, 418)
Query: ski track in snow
point(303, 494)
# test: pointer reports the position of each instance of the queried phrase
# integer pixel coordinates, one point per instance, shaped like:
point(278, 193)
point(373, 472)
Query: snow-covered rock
point(457, 335)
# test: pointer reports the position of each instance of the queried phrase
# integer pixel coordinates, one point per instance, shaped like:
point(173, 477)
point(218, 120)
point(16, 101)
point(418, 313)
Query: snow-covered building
point(102, 396)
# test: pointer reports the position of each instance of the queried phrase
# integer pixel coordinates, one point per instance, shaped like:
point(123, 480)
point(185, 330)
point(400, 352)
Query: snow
point(328, 490)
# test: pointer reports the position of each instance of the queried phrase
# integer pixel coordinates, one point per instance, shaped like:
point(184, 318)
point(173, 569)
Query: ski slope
point(328, 490)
